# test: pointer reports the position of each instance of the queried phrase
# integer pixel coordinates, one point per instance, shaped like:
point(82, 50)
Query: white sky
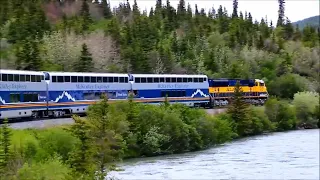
point(294, 9)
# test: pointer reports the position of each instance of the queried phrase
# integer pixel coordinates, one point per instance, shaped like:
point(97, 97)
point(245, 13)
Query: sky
point(294, 9)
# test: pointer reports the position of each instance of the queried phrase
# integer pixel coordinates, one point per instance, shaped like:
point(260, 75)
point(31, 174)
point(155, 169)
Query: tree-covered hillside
point(312, 21)
point(83, 36)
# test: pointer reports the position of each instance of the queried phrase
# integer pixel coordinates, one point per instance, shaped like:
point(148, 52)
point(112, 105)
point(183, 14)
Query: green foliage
point(51, 169)
point(306, 105)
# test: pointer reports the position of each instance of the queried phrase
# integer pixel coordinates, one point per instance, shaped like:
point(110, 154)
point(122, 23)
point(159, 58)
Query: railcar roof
point(9, 71)
point(87, 74)
point(170, 75)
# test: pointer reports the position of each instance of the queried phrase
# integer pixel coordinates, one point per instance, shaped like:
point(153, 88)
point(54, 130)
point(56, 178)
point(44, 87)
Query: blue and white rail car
point(192, 90)
point(22, 93)
point(72, 92)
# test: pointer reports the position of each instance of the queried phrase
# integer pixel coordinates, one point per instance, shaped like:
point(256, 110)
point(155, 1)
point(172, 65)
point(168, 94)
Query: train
point(40, 94)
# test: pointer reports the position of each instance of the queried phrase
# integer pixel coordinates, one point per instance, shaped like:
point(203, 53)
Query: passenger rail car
point(71, 92)
point(191, 90)
point(22, 93)
point(221, 90)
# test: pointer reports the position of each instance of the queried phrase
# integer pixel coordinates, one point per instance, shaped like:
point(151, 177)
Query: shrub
point(305, 104)
point(51, 169)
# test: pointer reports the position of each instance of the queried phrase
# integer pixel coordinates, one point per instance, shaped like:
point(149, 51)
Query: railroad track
point(47, 122)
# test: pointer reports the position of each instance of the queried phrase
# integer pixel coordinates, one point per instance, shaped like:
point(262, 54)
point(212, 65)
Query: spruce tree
point(238, 111)
point(235, 9)
point(281, 13)
point(85, 15)
point(5, 143)
point(81, 159)
point(107, 13)
point(85, 63)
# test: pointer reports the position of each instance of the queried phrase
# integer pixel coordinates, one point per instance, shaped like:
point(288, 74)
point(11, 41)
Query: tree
point(81, 159)
point(280, 21)
point(238, 111)
point(5, 143)
point(235, 9)
point(85, 63)
point(85, 16)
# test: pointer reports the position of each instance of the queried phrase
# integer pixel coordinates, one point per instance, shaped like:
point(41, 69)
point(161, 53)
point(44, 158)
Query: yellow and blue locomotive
point(221, 90)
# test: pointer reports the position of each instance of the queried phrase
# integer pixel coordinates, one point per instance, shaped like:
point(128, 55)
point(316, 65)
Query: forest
point(83, 36)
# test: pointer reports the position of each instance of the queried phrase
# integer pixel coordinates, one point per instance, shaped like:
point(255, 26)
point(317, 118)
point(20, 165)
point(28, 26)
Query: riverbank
point(124, 130)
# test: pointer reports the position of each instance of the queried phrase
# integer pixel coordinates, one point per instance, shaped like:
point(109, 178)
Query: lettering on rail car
point(12, 86)
point(89, 86)
point(173, 86)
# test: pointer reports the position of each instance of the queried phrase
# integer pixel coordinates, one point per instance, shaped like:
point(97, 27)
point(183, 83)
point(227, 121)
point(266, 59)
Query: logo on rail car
point(66, 95)
point(89, 86)
point(200, 93)
point(173, 86)
point(12, 86)
point(2, 101)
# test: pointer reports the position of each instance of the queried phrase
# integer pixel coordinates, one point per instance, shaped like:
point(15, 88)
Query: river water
point(286, 155)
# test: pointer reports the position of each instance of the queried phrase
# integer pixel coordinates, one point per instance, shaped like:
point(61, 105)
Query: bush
point(306, 105)
point(51, 169)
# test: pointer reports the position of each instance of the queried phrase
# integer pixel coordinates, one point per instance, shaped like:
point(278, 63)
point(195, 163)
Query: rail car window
point(54, 78)
point(22, 78)
point(60, 79)
point(86, 79)
point(110, 79)
point(261, 84)
point(121, 79)
point(195, 79)
point(143, 80)
point(80, 78)
point(28, 78)
point(150, 80)
point(185, 79)
point(200, 79)
point(156, 80)
point(105, 79)
point(168, 79)
point(67, 79)
point(126, 79)
point(39, 78)
point(74, 79)
point(15, 77)
point(99, 79)
point(10, 77)
point(93, 79)
point(179, 79)
point(4, 77)
point(161, 79)
point(115, 79)
point(33, 78)
point(30, 97)
point(14, 98)
point(190, 80)
point(173, 79)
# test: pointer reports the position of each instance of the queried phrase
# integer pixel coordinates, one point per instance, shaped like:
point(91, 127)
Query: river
point(285, 155)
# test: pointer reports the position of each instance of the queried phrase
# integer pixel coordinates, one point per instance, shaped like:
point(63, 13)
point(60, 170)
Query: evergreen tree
point(85, 16)
point(235, 9)
point(81, 158)
point(5, 143)
point(238, 111)
point(85, 63)
point(281, 13)
point(107, 13)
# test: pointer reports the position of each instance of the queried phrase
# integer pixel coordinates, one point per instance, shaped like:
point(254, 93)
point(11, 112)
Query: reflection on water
point(289, 155)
